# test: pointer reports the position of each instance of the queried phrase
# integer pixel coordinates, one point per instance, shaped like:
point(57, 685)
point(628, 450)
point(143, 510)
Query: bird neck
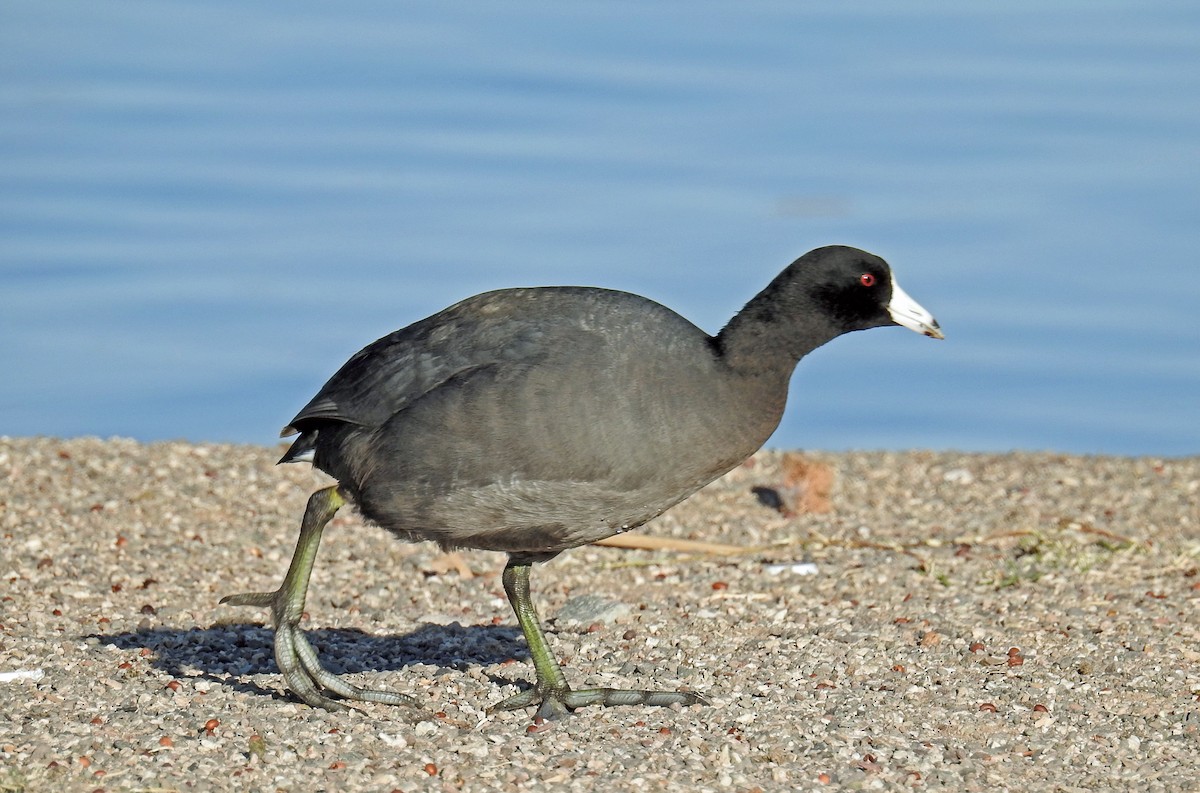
point(767, 337)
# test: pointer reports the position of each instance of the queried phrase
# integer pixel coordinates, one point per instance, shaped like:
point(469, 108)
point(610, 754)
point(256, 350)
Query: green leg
point(551, 692)
point(295, 656)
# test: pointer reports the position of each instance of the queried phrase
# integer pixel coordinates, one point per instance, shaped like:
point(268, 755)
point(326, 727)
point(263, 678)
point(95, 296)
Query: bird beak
point(909, 313)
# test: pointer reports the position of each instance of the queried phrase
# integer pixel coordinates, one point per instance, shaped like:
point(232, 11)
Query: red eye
point(867, 279)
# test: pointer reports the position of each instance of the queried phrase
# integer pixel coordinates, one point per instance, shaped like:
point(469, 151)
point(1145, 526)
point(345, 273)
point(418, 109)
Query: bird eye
point(867, 279)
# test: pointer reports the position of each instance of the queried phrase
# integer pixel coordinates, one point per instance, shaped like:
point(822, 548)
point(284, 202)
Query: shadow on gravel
point(229, 653)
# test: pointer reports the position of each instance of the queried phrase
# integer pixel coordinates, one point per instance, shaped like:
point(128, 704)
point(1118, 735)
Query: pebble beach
point(967, 622)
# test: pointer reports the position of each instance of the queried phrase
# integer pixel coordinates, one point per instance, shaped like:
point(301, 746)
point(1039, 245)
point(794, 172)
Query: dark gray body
point(534, 420)
point(586, 397)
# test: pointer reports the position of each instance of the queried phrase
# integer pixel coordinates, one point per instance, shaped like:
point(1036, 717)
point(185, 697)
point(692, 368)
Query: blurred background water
point(206, 207)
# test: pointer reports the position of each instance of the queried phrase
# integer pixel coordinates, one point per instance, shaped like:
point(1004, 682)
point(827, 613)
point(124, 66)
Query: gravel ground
point(974, 622)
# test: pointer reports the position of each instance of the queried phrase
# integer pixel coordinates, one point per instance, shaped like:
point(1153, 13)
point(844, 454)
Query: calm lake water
point(205, 208)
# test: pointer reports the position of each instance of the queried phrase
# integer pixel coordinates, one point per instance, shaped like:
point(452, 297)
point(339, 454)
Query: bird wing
point(392, 373)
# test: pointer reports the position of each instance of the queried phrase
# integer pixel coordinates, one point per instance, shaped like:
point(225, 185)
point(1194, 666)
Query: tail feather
point(302, 450)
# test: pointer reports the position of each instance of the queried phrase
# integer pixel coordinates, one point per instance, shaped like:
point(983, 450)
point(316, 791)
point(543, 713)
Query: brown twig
point(645, 542)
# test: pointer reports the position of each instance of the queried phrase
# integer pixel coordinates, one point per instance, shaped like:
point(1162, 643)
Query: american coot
point(530, 421)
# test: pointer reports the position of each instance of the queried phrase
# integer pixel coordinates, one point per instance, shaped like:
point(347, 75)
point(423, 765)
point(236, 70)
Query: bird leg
point(294, 654)
point(551, 692)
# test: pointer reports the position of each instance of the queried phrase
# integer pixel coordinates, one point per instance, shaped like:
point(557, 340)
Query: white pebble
point(797, 568)
point(22, 674)
point(396, 741)
point(958, 476)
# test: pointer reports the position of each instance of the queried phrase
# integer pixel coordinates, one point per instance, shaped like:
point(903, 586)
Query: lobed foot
point(557, 702)
point(551, 693)
point(294, 654)
point(301, 668)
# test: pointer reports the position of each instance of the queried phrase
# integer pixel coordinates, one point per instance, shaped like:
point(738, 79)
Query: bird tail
point(302, 450)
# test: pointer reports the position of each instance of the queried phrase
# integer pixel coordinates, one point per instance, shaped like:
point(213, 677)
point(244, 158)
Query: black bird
point(530, 421)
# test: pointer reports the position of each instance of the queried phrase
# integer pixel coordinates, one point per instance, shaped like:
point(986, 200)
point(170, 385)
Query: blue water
point(205, 208)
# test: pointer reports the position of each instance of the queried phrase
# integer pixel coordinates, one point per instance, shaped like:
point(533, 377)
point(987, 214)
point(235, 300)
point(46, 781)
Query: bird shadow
point(231, 653)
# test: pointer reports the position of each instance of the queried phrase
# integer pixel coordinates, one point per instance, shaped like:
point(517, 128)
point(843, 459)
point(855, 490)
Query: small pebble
point(795, 568)
point(32, 675)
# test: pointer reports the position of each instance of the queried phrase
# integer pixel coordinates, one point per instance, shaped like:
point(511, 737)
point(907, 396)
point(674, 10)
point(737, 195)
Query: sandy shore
point(961, 622)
